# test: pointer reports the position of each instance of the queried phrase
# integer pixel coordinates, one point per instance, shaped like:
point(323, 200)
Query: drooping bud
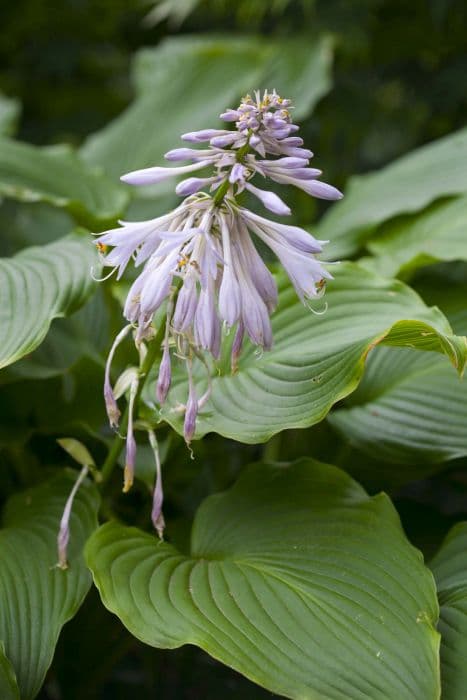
point(270, 200)
point(157, 516)
point(130, 454)
point(63, 536)
point(111, 406)
point(164, 378)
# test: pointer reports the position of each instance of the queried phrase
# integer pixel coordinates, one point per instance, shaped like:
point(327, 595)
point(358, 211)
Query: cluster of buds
point(200, 260)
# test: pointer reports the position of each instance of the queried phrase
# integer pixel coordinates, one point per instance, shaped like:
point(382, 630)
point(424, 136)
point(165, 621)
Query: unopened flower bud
point(164, 378)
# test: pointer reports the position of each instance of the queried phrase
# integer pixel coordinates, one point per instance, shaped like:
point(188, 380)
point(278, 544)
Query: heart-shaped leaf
point(38, 285)
point(404, 186)
point(222, 69)
point(450, 569)
point(37, 598)
point(296, 578)
point(316, 360)
point(410, 408)
point(57, 176)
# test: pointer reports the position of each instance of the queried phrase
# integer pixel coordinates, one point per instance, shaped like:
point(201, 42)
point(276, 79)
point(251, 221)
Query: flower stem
point(221, 192)
point(154, 350)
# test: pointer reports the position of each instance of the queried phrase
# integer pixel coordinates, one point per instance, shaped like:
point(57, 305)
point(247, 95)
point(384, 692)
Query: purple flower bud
point(111, 406)
point(158, 494)
point(230, 115)
point(203, 135)
point(164, 378)
point(270, 200)
point(193, 184)
point(184, 154)
point(151, 176)
point(225, 140)
point(130, 454)
point(321, 190)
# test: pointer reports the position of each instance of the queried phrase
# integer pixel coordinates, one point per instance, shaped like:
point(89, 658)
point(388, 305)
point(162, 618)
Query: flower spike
point(199, 262)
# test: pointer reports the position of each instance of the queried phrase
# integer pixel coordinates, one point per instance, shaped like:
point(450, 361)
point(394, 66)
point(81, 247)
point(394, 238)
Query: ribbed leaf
point(84, 334)
point(409, 408)
point(38, 285)
point(316, 360)
point(57, 176)
point(37, 598)
point(296, 578)
point(8, 687)
point(439, 234)
point(406, 185)
point(450, 569)
point(222, 69)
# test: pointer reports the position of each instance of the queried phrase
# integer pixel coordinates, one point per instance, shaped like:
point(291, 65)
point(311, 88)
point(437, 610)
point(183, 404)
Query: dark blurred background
point(398, 82)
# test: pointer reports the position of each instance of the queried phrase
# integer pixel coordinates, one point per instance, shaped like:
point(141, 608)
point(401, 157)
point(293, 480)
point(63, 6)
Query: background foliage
point(373, 81)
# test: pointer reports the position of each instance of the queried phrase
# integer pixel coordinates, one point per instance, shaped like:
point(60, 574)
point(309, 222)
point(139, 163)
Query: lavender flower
point(199, 261)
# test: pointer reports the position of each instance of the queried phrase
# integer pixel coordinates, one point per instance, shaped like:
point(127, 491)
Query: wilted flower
point(200, 262)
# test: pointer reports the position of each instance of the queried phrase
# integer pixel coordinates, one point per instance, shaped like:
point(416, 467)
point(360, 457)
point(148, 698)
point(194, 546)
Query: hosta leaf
point(439, 234)
point(84, 334)
point(407, 185)
point(58, 177)
point(316, 360)
point(8, 687)
point(222, 69)
point(37, 598)
point(38, 285)
point(296, 578)
point(409, 408)
point(450, 569)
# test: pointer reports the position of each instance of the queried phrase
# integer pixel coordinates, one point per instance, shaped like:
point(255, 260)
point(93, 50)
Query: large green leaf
point(407, 185)
point(186, 82)
point(37, 598)
point(38, 285)
point(316, 360)
point(84, 334)
point(296, 578)
point(439, 234)
point(450, 569)
point(8, 686)
point(409, 408)
point(57, 176)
